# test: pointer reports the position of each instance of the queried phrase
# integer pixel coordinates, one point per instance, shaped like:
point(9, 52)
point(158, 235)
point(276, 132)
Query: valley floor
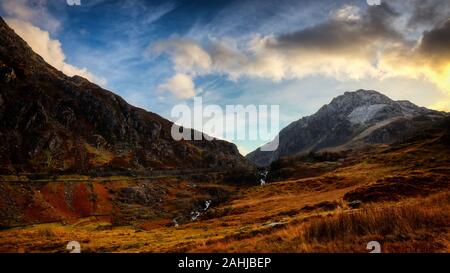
point(293, 216)
point(413, 225)
point(398, 196)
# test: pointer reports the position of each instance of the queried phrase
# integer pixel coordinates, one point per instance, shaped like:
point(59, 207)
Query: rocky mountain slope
point(397, 194)
point(50, 122)
point(350, 120)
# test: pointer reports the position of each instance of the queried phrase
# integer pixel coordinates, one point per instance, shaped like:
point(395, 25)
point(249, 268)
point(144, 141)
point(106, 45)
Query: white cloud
point(32, 21)
point(33, 11)
point(181, 85)
point(261, 58)
point(342, 47)
point(49, 49)
point(347, 13)
point(350, 45)
point(188, 56)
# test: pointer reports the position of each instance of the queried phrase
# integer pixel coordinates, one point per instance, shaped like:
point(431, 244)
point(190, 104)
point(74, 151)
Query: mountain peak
point(363, 92)
point(350, 100)
point(367, 96)
point(353, 118)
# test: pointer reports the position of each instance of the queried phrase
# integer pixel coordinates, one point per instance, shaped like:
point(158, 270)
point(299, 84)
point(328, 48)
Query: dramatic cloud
point(428, 12)
point(181, 85)
point(32, 11)
point(436, 42)
point(345, 32)
point(49, 49)
point(429, 58)
point(350, 45)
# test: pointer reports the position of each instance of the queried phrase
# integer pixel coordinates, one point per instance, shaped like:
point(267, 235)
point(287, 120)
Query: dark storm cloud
point(436, 42)
point(341, 35)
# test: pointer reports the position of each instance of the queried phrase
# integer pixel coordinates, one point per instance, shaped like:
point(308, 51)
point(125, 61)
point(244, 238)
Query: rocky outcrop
point(51, 122)
point(350, 120)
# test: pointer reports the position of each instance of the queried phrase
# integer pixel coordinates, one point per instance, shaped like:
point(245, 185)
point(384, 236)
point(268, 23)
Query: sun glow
point(444, 79)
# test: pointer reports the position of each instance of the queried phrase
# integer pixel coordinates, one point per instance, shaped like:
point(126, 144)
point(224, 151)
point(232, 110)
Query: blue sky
point(298, 54)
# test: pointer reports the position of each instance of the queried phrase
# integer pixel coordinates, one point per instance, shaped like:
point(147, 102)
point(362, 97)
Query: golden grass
point(287, 216)
point(414, 225)
point(383, 221)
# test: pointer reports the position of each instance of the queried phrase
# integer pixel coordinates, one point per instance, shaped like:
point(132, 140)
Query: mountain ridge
point(51, 122)
point(349, 120)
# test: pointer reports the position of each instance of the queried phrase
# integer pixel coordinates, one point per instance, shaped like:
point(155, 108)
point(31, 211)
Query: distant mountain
point(51, 122)
point(350, 120)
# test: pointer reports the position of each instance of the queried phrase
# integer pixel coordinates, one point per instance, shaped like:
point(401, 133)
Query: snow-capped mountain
point(350, 120)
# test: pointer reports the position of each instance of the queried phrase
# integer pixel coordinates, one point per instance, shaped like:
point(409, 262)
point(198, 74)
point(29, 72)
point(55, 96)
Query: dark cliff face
point(52, 122)
point(350, 120)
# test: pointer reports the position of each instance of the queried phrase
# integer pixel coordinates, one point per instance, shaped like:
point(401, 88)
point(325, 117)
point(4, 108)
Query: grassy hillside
point(397, 194)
